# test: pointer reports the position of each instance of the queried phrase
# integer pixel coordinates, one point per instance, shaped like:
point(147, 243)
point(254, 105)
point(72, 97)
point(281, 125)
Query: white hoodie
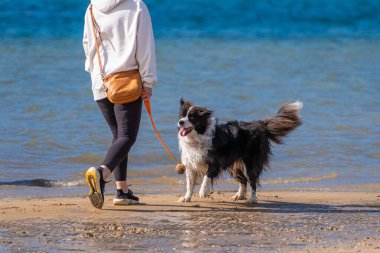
point(127, 41)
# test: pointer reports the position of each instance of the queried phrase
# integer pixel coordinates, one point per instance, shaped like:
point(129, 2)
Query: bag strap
point(95, 29)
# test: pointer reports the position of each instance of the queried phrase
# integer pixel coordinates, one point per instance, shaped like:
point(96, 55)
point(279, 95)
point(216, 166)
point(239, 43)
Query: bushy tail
point(286, 120)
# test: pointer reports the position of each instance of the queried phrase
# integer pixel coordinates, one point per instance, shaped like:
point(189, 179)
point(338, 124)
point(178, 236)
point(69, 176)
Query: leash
point(180, 168)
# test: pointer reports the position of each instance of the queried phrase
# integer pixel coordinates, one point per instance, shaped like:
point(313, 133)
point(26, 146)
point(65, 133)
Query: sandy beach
point(282, 221)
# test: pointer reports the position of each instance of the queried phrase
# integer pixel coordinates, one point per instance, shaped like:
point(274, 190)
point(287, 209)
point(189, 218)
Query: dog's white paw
point(204, 192)
point(184, 199)
point(203, 195)
point(238, 196)
point(252, 200)
point(205, 189)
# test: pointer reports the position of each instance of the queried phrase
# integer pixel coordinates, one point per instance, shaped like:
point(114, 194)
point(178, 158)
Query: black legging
point(124, 122)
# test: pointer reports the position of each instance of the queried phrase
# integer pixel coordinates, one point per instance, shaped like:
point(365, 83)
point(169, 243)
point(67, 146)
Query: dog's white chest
point(194, 151)
point(192, 154)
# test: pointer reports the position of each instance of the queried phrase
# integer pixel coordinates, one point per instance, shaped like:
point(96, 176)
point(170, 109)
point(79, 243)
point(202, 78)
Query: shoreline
point(286, 221)
point(14, 192)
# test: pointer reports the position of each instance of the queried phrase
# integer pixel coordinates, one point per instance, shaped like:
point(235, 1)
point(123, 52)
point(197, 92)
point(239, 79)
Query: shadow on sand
point(262, 207)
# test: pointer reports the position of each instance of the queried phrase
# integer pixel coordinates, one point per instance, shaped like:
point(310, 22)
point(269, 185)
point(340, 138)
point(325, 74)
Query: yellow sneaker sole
point(93, 180)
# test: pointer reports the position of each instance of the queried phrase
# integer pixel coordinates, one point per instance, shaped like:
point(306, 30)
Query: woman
point(127, 43)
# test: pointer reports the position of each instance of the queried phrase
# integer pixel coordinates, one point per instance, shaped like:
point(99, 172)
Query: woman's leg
point(95, 176)
point(107, 109)
point(119, 173)
point(128, 122)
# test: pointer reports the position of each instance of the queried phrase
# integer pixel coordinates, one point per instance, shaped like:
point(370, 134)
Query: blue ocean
point(240, 58)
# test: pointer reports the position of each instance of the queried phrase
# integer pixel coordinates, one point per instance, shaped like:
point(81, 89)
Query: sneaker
point(124, 199)
point(94, 179)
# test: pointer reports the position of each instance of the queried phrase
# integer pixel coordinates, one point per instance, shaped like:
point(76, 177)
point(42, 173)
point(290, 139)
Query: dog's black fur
point(248, 142)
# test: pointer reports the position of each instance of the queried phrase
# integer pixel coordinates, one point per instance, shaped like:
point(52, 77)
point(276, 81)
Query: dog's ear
point(182, 102)
point(208, 113)
point(184, 107)
point(204, 112)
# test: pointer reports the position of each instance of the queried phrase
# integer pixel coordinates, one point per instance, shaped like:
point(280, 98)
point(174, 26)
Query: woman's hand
point(146, 93)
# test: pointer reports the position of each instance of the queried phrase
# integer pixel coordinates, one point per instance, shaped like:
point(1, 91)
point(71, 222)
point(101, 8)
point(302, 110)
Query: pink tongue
point(182, 132)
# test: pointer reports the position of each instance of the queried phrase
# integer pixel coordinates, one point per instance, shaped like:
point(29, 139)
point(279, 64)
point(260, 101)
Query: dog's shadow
point(272, 206)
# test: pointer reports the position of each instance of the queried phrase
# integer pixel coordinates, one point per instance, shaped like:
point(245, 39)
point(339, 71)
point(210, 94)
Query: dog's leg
point(252, 199)
point(241, 192)
point(238, 174)
point(205, 187)
point(252, 179)
point(190, 182)
point(212, 172)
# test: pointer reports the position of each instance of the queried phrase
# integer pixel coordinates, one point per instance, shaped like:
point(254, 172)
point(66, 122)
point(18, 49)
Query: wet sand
point(282, 221)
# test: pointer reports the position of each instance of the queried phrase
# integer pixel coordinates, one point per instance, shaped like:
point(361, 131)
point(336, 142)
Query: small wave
point(33, 182)
point(157, 180)
point(68, 183)
point(44, 183)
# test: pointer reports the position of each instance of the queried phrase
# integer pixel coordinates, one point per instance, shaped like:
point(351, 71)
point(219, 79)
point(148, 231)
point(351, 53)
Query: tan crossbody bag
point(122, 87)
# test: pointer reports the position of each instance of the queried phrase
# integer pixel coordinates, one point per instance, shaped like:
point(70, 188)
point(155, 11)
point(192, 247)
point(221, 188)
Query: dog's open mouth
point(183, 131)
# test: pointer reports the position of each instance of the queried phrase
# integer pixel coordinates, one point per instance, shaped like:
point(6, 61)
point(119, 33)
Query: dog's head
point(193, 119)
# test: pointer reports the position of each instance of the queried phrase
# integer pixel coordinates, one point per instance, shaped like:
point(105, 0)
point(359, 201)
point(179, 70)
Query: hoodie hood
point(105, 5)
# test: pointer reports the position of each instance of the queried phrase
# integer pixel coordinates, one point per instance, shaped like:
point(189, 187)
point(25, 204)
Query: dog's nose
point(181, 122)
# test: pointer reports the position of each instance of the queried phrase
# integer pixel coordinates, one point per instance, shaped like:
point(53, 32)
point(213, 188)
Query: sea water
point(242, 59)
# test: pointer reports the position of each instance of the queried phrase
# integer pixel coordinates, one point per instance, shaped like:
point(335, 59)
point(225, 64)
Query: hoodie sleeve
point(145, 50)
point(86, 43)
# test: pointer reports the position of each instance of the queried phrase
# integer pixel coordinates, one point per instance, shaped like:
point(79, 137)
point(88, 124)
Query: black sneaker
point(124, 199)
point(94, 179)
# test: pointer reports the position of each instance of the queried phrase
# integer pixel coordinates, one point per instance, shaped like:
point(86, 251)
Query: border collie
point(242, 149)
